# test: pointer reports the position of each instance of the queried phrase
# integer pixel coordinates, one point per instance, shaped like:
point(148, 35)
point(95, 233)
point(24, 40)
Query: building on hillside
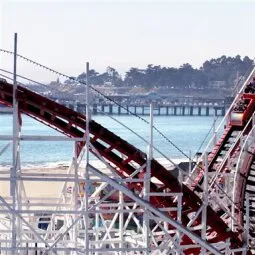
point(153, 97)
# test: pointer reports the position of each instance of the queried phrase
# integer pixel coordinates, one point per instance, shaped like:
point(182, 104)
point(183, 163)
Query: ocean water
point(186, 132)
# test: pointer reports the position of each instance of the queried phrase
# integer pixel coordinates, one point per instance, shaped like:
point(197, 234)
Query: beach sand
point(52, 189)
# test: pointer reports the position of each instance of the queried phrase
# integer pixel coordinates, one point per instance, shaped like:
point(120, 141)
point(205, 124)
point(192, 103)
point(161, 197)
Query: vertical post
point(190, 162)
point(87, 183)
point(247, 222)
point(13, 188)
point(110, 109)
point(214, 130)
point(205, 196)
point(207, 111)
point(223, 111)
point(199, 110)
point(97, 225)
point(179, 212)
point(76, 191)
point(147, 177)
point(191, 110)
point(183, 110)
point(121, 221)
point(232, 212)
point(253, 131)
point(175, 110)
point(215, 111)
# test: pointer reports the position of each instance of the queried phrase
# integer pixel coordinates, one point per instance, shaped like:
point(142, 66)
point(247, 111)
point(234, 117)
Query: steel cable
point(113, 101)
point(100, 93)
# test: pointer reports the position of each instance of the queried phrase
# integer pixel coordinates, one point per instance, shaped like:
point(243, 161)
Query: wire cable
point(111, 100)
point(100, 93)
point(206, 136)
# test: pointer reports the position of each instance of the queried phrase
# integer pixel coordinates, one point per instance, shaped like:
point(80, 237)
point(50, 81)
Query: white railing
point(220, 126)
point(237, 169)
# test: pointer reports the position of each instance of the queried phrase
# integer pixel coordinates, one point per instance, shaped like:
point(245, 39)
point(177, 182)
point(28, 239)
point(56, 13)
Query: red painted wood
point(73, 124)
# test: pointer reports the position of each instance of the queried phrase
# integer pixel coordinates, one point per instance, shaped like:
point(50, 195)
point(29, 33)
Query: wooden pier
point(159, 110)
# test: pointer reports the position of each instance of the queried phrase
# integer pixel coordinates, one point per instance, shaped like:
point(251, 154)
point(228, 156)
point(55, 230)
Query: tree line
point(224, 69)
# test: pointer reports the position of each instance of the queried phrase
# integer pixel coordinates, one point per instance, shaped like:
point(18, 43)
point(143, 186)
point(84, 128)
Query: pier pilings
point(159, 110)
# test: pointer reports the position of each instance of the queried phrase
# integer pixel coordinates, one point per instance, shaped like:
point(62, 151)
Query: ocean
point(186, 132)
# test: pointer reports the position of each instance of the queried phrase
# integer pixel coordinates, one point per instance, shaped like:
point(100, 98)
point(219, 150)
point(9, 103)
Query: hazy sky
point(66, 34)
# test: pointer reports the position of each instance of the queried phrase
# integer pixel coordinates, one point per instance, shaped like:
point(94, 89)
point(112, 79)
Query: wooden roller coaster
point(112, 148)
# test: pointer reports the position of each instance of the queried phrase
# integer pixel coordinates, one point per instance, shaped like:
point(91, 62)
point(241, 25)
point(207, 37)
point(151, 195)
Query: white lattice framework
point(93, 210)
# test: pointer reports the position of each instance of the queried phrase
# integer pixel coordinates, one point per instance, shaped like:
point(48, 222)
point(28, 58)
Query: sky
point(64, 35)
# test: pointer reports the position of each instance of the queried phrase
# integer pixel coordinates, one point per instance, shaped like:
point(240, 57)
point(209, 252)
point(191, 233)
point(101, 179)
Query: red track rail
point(211, 159)
point(241, 184)
point(245, 168)
point(110, 146)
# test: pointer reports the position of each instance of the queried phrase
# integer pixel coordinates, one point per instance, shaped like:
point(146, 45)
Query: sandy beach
point(42, 188)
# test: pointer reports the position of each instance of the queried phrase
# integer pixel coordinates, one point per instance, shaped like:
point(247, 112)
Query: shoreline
point(64, 165)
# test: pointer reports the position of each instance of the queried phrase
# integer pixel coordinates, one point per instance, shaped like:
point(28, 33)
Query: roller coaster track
point(222, 161)
point(112, 148)
point(227, 147)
